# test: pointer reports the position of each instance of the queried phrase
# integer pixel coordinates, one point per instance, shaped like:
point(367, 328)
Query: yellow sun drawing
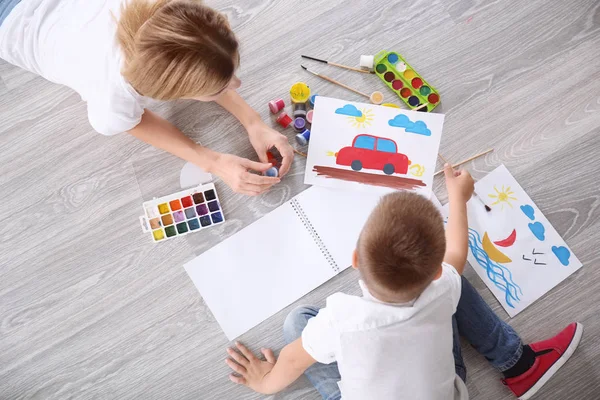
point(502, 196)
point(364, 120)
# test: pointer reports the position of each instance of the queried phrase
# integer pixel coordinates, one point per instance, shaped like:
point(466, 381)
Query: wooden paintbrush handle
point(466, 160)
point(344, 86)
point(350, 68)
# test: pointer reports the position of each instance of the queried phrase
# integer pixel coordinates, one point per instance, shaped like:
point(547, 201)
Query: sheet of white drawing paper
point(278, 253)
point(260, 270)
point(338, 216)
point(371, 148)
point(514, 248)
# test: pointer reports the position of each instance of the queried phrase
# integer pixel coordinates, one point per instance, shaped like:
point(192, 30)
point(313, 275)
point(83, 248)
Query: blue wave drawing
point(497, 273)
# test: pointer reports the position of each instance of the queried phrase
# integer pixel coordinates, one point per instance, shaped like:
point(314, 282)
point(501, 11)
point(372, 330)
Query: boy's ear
point(355, 259)
point(438, 274)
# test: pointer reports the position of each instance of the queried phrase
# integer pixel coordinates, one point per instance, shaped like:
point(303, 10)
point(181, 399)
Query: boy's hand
point(251, 369)
point(234, 171)
point(263, 138)
point(459, 184)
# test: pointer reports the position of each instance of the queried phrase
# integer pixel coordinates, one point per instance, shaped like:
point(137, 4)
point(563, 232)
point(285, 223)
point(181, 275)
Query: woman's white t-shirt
point(73, 43)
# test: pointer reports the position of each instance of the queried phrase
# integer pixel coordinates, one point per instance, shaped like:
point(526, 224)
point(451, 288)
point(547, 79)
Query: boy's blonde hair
point(401, 247)
point(176, 48)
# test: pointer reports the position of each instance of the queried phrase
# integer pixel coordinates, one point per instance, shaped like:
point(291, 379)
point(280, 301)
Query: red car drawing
point(372, 152)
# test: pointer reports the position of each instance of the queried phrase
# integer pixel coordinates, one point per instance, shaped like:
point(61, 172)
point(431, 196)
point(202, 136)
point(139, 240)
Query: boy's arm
point(160, 133)
point(262, 137)
point(457, 236)
point(269, 376)
point(460, 189)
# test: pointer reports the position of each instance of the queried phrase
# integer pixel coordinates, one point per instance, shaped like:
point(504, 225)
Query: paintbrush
point(338, 65)
point(487, 208)
point(336, 82)
point(466, 160)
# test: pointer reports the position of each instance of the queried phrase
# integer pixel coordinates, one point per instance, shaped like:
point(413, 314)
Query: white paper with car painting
point(372, 148)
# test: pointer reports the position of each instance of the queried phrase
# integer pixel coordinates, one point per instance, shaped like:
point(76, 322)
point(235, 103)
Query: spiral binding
point(315, 235)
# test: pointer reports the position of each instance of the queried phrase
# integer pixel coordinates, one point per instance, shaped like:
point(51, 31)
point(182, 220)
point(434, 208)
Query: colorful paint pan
point(210, 195)
point(193, 224)
point(205, 221)
point(167, 219)
point(276, 105)
point(182, 213)
point(187, 201)
point(170, 231)
point(299, 124)
point(299, 92)
point(272, 172)
point(376, 97)
point(178, 216)
point(284, 120)
point(213, 206)
point(190, 213)
point(158, 234)
point(216, 217)
point(182, 228)
point(202, 209)
point(299, 110)
point(303, 138)
point(198, 198)
point(175, 205)
point(401, 78)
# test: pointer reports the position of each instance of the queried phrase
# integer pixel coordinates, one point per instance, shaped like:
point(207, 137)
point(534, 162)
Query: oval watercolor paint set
point(399, 76)
point(184, 212)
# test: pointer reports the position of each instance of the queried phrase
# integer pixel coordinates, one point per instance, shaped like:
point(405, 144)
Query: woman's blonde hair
point(176, 48)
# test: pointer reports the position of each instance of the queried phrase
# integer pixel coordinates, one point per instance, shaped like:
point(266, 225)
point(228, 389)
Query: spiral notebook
point(281, 257)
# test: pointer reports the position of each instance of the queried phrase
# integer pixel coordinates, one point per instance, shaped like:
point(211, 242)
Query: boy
point(401, 339)
point(122, 55)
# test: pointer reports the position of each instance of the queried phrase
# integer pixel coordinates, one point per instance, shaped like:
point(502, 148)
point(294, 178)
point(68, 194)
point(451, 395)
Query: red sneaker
point(550, 355)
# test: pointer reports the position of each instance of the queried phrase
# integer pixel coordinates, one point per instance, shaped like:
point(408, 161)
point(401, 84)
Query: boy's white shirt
point(73, 43)
point(391, 351)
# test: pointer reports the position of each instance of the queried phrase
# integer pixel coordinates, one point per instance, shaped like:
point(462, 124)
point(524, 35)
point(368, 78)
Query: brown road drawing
point(394, 182)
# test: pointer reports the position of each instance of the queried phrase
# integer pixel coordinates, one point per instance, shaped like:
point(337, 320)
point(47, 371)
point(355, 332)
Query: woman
point(118, 55)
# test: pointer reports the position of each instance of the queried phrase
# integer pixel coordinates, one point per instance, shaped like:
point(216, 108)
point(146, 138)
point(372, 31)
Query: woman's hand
point(234, 171)
point(264, 138)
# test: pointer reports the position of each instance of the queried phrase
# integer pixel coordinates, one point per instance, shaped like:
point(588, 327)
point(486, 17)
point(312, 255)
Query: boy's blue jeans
point(6, 7)
point(474, 320)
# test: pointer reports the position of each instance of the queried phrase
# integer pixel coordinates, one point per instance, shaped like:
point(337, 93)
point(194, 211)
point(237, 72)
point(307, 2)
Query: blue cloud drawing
point(562, 253)
point(402, 121)
point(529, 211)
point(349, 110)
point(538, 230)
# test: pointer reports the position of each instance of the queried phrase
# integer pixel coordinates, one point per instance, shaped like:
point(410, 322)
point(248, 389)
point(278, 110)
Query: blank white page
point(338, 216)
point(260, 270)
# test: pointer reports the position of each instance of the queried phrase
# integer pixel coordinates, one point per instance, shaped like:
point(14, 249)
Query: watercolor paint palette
point(181, 213)
point(399, 76)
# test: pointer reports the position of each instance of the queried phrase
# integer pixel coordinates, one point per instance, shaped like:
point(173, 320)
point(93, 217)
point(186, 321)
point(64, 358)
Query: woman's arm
point(261, 136)
point(237, 106)
point(160, 133)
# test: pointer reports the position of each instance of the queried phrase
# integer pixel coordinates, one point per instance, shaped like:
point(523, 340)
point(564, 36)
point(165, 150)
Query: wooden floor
point(90, 308)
